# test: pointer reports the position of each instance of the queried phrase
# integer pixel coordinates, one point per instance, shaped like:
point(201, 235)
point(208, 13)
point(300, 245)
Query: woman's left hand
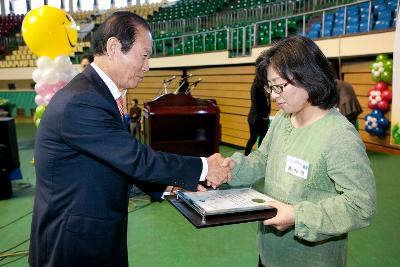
point(284, 218)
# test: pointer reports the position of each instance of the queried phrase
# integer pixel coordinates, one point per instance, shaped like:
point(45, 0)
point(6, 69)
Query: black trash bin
point(5, 182)
point(9, 157)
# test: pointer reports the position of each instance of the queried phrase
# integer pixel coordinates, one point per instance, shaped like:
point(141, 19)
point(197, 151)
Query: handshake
point(219, 170)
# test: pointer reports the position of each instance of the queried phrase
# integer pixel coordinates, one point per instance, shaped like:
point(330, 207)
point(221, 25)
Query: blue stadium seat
point(352, 12)
point(392, 5)
point(329, 16)
point(379, 2)
point(364, 18)
point(313, 34)
point(327, 32)
point(384, 15)
point(364, 11)
point(352, 28)
point(352, 20)
point(382, 25)
point(379, 7)
point(339, 11)
point(363, 27)
point(338, 22)
point(316, 26)
point(337, 30)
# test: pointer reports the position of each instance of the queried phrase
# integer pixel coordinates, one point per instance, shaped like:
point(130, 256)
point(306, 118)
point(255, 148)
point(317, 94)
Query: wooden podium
point(182, 124)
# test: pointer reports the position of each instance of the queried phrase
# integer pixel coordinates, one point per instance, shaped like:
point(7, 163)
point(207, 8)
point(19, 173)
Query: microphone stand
point(166, 83)
point(192, 86)
point(181, 82)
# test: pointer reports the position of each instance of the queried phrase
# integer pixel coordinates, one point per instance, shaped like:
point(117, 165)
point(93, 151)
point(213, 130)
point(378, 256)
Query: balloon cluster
point(380, 96)
point(50, 76)
point(382, 69)
point(376, 123)
point(51, 34)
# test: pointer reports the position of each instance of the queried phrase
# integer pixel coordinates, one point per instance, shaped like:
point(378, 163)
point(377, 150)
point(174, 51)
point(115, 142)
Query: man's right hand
point(217, 174)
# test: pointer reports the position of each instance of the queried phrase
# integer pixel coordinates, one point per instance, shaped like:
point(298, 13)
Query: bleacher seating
point(10, 24)
point(144, 11)
point(189, 9)
point(23, 57)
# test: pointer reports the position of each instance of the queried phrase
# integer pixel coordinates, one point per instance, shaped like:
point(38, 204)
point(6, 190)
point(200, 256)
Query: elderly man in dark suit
point(86, 160)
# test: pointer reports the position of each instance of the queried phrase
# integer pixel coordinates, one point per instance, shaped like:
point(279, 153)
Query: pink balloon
point(48, 97)
point(59, 85)
point(40, 88)
point(43, 89)
point(52, 89)
point(39, 100)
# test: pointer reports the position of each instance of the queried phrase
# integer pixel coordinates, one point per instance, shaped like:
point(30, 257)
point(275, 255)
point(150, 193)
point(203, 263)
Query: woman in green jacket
point(313, 161)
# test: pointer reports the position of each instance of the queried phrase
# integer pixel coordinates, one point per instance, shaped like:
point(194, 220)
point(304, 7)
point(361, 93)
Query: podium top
point(180, 103)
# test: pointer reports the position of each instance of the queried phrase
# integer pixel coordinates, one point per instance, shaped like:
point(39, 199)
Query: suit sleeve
point(92, 127)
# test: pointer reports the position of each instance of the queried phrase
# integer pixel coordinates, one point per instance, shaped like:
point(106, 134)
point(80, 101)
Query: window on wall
point(120, 3)
point(55, 3)
point(104, 4)
point(36, 3)
point(19, 6)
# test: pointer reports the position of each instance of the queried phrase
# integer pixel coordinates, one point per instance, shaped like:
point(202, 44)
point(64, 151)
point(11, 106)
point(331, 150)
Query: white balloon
point(44, 63)
point(50, 76)
point(63, 63)
point(37, 75)
point(65, 76)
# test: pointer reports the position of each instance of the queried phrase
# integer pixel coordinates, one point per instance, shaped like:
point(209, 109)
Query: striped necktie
point(121, 102)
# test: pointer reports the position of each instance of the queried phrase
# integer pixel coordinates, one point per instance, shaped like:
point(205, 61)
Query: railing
point(247, 15)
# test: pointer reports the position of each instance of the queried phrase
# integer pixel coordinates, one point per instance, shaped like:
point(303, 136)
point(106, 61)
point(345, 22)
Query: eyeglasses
point(277, 88)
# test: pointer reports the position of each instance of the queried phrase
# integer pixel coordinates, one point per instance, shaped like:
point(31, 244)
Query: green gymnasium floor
point(159, 236)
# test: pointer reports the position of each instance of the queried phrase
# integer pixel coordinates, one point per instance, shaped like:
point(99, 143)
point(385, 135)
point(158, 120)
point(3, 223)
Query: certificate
point(217, 207)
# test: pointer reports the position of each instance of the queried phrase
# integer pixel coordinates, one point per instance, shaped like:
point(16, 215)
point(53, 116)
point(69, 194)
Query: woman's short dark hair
point(122, 25)
point(299, 60)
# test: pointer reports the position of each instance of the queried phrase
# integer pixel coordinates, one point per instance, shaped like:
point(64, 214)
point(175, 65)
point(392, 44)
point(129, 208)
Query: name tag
point(297, 167)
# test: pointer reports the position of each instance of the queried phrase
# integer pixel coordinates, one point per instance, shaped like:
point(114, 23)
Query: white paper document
point(214, 202)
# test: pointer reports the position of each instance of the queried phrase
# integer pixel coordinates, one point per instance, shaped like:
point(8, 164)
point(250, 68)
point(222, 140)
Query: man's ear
point(113, 46)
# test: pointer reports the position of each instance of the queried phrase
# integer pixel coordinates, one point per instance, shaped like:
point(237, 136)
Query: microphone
point(196, 82)
point(166, 83)
point(181, 82)
point(170, 79)
point(187, 76)
point(192, 86)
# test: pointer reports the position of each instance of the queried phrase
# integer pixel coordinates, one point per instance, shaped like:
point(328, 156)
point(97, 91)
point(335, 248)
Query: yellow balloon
point(49, 31)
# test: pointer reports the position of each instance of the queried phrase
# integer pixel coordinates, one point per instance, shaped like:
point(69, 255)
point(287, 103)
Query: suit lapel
point(101, 88)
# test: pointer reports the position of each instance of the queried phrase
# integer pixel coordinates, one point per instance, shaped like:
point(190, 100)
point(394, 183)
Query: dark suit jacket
point(85, 161)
